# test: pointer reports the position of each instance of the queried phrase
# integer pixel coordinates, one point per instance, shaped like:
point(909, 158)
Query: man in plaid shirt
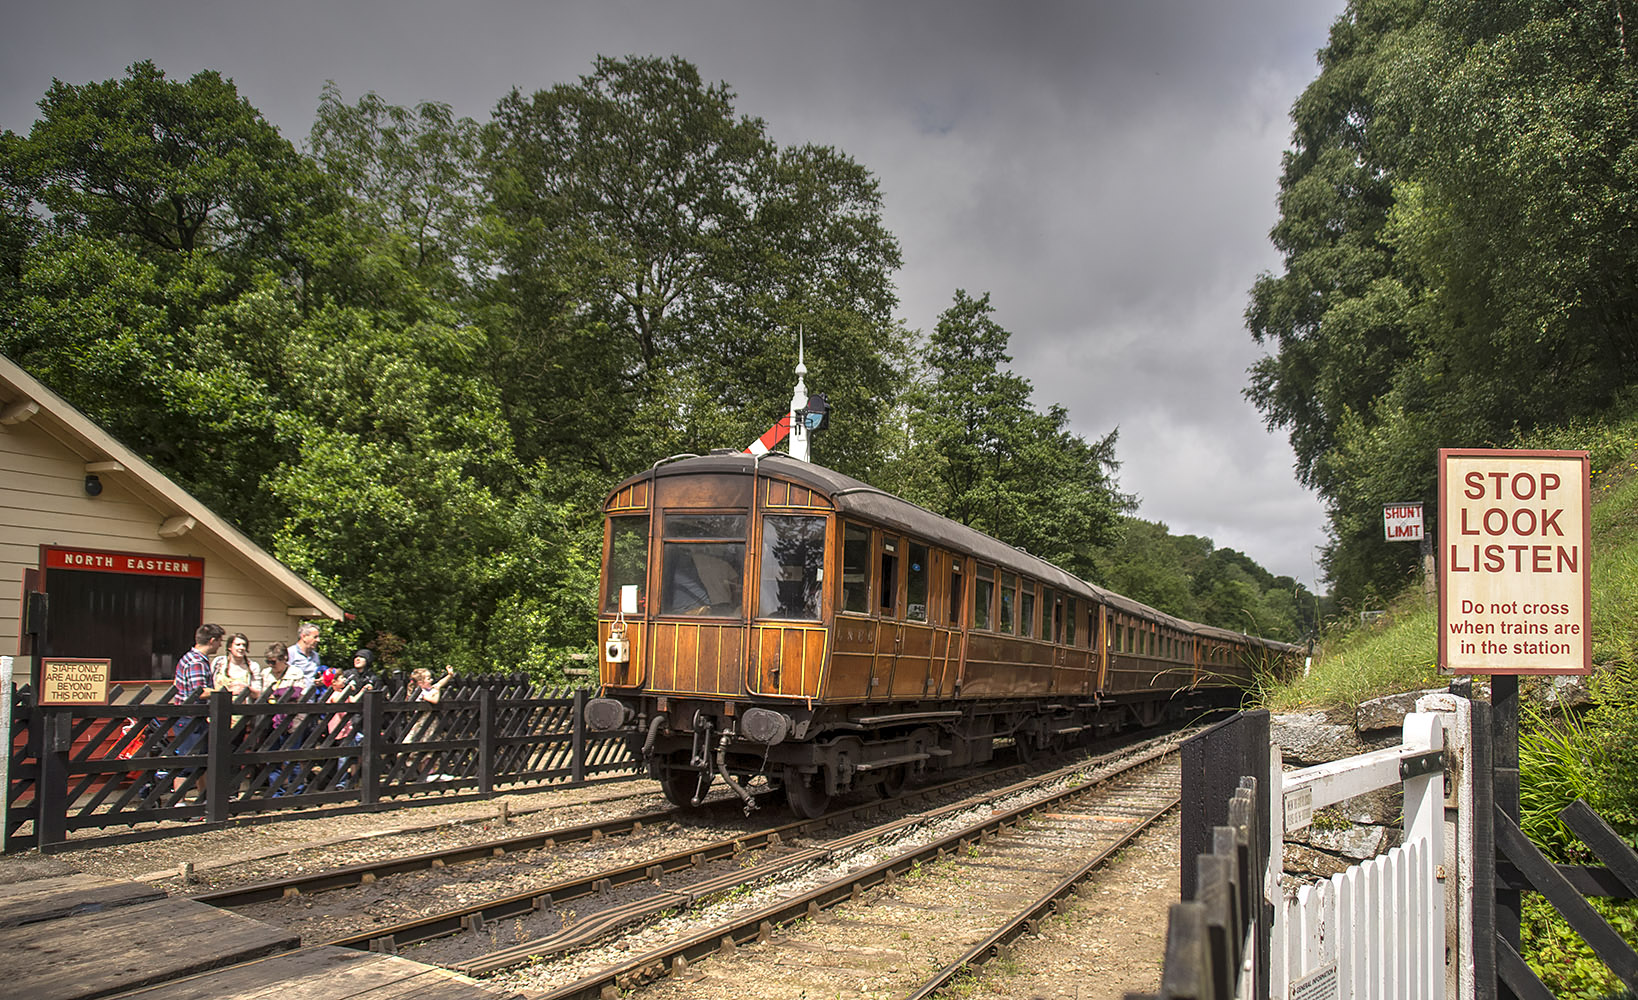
point(192, 678)
point(193, 669)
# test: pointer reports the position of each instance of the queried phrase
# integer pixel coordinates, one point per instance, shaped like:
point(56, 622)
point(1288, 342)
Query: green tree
point(412, 181)
point(658, 254)
point(980, 453)
point(1456, 220)
point(161, 164)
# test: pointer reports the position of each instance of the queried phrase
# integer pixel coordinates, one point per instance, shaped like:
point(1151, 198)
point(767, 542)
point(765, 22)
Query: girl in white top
point(236, 672)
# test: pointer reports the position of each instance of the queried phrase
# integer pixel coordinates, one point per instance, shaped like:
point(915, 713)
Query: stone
point(1566, 691)
point(1303, 861)
point(1387, 712)
point(1307, 738)
point(1358, 843)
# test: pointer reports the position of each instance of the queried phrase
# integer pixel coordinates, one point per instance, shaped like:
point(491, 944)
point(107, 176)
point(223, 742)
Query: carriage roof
point(869, 503)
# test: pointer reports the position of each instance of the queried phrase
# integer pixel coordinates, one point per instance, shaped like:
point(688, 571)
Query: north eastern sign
point(1514, 585)
point(1402, 522)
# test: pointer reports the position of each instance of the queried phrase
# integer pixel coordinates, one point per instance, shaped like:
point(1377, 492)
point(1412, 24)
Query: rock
point(1566, 691)
point(1302, 860)
point(1377, 808)
point(1387, 712)
point(1358, 843)
point(1308, 738)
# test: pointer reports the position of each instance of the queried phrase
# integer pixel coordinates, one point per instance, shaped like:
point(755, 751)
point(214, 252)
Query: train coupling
point(605, 715)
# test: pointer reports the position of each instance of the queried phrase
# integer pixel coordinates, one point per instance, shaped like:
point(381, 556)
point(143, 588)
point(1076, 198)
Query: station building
point(102, 556)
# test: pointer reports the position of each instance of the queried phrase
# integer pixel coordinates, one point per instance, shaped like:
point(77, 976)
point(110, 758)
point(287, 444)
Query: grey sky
point(1106, 171)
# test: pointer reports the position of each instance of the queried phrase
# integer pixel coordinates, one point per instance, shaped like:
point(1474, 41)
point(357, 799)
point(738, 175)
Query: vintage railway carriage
point(766, 616)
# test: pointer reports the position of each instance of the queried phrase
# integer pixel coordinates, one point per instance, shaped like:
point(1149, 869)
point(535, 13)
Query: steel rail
point(476, 916)
point(369, 871)
point(1027, 919)
point(759, 924)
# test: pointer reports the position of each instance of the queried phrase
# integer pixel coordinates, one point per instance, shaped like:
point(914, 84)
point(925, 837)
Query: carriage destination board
point(1514, 540)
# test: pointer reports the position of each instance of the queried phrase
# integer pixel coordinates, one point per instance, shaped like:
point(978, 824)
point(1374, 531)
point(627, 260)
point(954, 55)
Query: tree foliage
point(1188, 576)
point(1456, 223)
point(659, 254)
point(979, 452)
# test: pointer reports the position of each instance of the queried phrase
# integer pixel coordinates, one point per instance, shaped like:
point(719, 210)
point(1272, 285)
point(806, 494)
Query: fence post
point(486, 740)
point(51, 797)
point(577, 748)
point(7, 698)
point(370, 751)
point(219, 757)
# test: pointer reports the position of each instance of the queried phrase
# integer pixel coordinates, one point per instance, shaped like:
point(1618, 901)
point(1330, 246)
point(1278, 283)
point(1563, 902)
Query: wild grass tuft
point(1356, 665)
point(1560, 760)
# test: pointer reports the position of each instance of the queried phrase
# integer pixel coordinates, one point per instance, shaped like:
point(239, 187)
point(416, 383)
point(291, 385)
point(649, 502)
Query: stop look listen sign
point(1514, 540)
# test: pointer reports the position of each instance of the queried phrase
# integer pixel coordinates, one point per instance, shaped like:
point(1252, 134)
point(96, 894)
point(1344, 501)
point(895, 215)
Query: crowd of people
point(291, 673)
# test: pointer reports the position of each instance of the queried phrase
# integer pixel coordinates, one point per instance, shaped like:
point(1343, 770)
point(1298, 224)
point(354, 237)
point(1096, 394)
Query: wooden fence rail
point(72, 769)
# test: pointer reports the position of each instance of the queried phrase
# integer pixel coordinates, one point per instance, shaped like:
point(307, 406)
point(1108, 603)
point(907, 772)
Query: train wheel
point(682, 786)
point(806, 793)
point(892, 784)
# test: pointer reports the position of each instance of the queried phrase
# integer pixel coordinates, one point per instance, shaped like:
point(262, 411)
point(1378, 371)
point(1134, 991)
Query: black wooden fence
point(1224, 853)
point(1209, 935)
point(79, 768)
point(1520, 866)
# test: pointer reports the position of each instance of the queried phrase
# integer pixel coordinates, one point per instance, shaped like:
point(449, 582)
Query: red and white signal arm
point(1402, 522)
point(1514, 539)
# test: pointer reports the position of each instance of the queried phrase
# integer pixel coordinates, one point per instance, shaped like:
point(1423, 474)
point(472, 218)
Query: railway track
point(720, 810)
point(555, 923)
point(953, 892)
point(552, 921)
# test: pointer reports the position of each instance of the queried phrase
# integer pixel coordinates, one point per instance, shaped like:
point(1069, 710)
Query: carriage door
point(913, 662)
point(889, 613)
point(946, 600)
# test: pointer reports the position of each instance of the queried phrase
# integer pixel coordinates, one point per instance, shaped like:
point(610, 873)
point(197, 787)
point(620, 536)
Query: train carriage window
point(916, 575)
point(628, 561)
point(1071, 616)
point(983, 597)
point(856, 569)
point(956, 593)
point(703, 565)
point(888, 584)
point(793, 566)
point(1026, 609)
point(1009, 595)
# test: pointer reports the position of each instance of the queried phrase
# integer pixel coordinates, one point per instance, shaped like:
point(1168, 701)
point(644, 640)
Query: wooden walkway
point(80, 937)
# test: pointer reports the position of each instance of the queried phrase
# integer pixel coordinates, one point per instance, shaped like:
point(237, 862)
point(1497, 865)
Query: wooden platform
point(325, 974)
point(68, 895)
point(79, 937)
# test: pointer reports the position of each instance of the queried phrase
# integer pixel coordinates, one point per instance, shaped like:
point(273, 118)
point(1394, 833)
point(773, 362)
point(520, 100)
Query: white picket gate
point(1377, 931)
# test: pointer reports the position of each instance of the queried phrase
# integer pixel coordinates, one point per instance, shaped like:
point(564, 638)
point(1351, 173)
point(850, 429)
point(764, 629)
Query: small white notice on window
point(1299, 808)
point(1321, 984)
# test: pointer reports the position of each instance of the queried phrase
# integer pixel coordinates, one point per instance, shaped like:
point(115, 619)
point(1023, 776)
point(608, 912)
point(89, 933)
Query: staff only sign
point(1514, 586)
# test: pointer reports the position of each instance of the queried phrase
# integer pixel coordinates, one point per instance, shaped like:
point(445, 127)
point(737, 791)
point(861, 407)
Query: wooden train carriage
point(790, 621)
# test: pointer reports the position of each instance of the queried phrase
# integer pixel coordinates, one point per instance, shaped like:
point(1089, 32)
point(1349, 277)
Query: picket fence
point(1376, 930)
point(1391, 928)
